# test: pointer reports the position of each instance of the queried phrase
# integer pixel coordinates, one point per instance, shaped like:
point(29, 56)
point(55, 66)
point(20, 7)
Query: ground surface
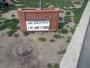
point(84, 61)
point(47, 51)
point(48, 47)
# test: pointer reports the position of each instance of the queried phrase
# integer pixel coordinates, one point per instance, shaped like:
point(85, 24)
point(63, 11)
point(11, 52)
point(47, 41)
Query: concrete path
point(84, 61)
point(74, 55)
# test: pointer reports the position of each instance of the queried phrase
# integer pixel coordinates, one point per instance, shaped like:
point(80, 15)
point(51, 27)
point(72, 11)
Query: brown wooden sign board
point(38, 20)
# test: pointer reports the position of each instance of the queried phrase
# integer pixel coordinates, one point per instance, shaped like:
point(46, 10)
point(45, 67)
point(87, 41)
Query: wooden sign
point(38, 20)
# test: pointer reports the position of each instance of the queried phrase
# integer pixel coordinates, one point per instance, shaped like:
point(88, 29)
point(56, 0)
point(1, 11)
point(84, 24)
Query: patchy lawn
point(48, 47)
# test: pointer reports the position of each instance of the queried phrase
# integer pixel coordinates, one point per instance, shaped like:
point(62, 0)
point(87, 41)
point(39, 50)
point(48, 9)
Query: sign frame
point(38, 25)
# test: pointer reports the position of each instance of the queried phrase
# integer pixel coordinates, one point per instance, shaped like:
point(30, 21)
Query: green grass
point(59, 3)
point(64, 30)
point(68, 13)
point(12, 24)
point(4, 9)
point(26, 33)
point(67, 19)
point(42, 39)
point(72, 30)
point(52, 40)
point(9, 23)
point(16, 35)
point(68, 39)
point(35, 4)
point(78, 12)
point(29, 3)
point(61, 25)
point(11, 32)
point(56, 65)
point(57, 36)
point(62, 51)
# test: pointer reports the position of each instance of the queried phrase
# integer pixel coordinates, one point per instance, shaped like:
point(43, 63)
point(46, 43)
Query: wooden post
point(40, 4)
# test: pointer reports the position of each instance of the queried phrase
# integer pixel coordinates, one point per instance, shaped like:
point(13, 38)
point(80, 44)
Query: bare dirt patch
point(48, 47)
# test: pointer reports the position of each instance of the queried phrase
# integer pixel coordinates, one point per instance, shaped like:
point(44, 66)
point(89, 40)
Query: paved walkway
point(73, 53)
point(84, 61)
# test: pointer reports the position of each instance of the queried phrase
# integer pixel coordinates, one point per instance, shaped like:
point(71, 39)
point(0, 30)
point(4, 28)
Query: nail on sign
point(36, 25)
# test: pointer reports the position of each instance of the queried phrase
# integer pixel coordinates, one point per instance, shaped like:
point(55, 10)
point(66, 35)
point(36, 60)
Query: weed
point(52, 40)
point(64, 30)
point(68, 39)
point(60, 18)
point(9, 23)
point(61, 25)
point(26, 33)
point(16, 35)
point(49, 65)
point(78, 12)
point(72, 30)
point(62, 51)
point(56, 65)
point(67, 19)
point(68, 13)
point(57, 36)
point(42, 39)
point(13, 15)
point(11, 32)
